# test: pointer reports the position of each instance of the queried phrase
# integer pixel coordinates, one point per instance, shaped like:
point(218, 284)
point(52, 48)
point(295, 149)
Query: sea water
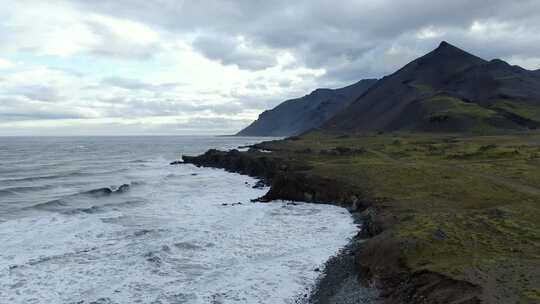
point(70, 233)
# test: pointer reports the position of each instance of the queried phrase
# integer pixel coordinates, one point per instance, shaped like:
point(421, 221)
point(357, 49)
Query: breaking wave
point(59, 204)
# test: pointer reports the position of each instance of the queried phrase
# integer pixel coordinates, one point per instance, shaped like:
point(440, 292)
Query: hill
point(296, 116)
point(447, 90)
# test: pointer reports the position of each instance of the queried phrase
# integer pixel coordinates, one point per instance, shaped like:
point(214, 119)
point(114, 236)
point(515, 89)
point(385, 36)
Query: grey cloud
point(47, 32)
point(125, 106)
point(285, 83)
point(209, 123)
point(135, 84)
point(319, 31)
point(228, 50)
point(111, 44)
point(193, 126)
point(67, 71)
point(256, 86)
point(36, 92)
point(30, 114)
point(17, 108)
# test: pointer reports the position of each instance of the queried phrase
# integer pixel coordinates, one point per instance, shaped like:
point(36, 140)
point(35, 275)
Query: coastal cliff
point(378, 260)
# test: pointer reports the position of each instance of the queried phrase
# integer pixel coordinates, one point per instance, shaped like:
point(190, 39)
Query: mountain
point(296, 116)
point(446, 90)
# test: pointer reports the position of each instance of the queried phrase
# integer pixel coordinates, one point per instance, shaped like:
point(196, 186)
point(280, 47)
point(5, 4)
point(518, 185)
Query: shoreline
point(378, 262)
point(339, 281)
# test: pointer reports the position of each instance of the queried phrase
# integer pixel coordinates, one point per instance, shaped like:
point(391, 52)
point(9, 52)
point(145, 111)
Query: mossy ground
point(519, 108)
point(453, 106)
point(468, 206)
point(445, 113)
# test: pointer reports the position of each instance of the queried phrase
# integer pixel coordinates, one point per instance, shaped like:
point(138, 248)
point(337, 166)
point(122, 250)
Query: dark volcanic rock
point(296, 116)
point(259, 185)
point(123, 188)
point(254, 164)
point(99, 192)
point(285, 183)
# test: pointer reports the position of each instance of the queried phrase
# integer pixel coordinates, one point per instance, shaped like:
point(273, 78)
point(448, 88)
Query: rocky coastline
point(378, 262)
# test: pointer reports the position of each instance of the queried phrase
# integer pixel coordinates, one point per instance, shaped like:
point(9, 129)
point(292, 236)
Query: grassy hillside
point(467, 207)
point(442, 112)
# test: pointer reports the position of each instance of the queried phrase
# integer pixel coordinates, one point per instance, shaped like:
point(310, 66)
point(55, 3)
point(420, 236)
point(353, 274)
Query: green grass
point(481, 193)
point(440, 105)
point(449, 113)
point(422, 88)
point(519, 108)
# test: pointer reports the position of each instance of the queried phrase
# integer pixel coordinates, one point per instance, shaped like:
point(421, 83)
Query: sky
point(178, 67)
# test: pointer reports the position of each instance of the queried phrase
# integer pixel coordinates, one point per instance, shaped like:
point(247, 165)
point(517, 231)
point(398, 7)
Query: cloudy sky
point(112, 67)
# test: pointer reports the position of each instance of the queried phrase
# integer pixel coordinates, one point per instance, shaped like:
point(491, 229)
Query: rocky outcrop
point(254, 164)
point(286, 183)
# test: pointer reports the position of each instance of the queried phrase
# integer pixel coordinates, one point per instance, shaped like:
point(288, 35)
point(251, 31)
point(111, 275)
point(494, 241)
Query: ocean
point(108, 220)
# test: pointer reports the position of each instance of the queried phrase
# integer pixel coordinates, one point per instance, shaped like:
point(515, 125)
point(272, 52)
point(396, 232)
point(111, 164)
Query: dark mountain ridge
point(296, 116)
point(447, 90)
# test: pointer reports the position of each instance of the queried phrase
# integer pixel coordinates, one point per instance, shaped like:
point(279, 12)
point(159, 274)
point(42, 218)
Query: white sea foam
point(180, 245)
